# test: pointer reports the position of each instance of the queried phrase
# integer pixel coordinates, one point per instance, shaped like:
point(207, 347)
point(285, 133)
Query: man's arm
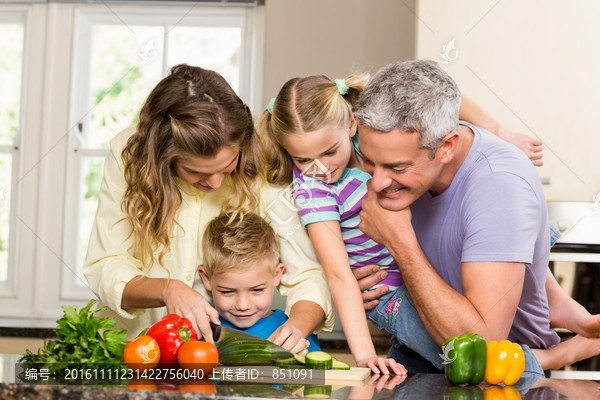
point(491, 290)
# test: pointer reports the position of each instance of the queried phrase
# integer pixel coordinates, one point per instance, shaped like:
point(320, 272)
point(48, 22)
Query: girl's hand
point(379, 365)
point(183, 300)
point(290, 338)
point(531, 146)
point(385, 381)
point(378, 382)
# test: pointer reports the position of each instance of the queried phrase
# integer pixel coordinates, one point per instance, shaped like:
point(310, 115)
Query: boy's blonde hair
point(236, 242)
point(304, 105)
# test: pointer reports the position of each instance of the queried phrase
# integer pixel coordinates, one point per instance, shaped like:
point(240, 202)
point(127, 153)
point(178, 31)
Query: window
point(12, 28)
point(121, 56)
point(80, 95)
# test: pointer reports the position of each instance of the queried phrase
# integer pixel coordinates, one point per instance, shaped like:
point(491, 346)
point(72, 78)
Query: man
point(462, 212)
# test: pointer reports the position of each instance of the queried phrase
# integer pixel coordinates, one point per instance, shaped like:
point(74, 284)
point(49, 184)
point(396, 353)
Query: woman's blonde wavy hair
point(304, 105)
point(193, 112)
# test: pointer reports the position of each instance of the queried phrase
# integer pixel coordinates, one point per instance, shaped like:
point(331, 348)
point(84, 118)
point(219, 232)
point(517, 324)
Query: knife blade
point(220, 332)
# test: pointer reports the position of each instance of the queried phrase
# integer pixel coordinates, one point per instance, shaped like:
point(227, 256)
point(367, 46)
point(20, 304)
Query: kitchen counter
point(329, 341)
point(27, 331)
point(415, 386)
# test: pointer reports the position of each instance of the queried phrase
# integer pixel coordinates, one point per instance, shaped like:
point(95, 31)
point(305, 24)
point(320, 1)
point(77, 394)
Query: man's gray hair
point(415, 96)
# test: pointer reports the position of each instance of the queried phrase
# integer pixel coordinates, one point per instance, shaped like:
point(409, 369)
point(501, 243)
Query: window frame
point(44, 202)
point(85, 20)
point(9, 288)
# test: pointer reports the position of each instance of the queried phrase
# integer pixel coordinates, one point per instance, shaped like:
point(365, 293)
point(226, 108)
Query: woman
point(193, 153)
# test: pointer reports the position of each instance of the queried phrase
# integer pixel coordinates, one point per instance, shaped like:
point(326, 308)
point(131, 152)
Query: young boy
point(241, 268)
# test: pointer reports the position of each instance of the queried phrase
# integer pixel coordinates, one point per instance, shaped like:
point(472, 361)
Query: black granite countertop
point(413, 386)
point(27, 332)
point(416, 386)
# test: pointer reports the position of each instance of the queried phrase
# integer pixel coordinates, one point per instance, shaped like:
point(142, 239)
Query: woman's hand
point(368, 276)
point(531, 146)
point(379, 365)
point(183, 300)
point(289, 337)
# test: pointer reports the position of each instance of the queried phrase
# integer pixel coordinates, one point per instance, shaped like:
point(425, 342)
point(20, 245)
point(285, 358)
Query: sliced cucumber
point(294, 389)
point(318, 360)
point(337, 364)
point(317, 392)
point(288, 363)
point(313, 360)
point(300, 359)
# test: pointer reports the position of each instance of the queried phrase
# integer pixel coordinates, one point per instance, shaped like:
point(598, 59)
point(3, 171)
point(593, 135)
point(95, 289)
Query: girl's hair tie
point(341, 86)
point(270, 106)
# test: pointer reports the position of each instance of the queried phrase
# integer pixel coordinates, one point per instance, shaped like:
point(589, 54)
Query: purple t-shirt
point(340, 201)
point(494, 210)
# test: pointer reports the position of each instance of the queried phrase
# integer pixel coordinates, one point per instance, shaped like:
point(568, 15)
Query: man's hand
point(384, 226)
point(368, 276)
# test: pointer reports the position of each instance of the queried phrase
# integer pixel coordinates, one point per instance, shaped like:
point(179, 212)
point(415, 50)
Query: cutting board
point(353, 374)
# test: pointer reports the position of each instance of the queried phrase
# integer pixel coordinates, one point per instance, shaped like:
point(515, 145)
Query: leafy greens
point(83, 341)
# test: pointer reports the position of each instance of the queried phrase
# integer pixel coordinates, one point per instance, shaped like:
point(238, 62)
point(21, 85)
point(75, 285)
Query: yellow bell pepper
point(505, 362)
point(501, 393)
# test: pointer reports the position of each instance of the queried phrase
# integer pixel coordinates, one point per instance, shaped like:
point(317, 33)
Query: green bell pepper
point(465, 358)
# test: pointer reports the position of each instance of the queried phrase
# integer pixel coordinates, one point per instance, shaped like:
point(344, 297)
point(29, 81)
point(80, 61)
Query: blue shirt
point(267, 325)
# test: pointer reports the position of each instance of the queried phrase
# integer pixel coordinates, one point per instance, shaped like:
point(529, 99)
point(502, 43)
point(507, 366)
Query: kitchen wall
point(531, 64)
point(334, 37)
point(534, 65)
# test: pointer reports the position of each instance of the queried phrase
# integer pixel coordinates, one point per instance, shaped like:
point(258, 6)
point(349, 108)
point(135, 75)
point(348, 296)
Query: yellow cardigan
point(111, 260)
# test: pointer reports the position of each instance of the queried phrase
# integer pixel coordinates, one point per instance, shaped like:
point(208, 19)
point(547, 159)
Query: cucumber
point(319, 360)
point(296, 390)
point(296, 362)
point(288, 363)
point(300, 359)
point(249, 351)
point(317, 392)
point(340, 365)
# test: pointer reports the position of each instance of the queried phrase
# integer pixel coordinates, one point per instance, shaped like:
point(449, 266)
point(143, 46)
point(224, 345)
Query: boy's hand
point(290, 338)
point(379, 365)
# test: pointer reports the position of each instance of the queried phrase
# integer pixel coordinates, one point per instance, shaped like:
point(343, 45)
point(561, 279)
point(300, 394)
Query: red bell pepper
point(170, 333)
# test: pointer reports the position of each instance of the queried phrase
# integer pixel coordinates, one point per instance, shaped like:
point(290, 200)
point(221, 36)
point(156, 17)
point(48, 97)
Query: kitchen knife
point(221, 332)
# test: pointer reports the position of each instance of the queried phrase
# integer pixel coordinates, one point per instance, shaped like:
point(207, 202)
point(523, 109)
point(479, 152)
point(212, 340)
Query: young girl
point(311, 137)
